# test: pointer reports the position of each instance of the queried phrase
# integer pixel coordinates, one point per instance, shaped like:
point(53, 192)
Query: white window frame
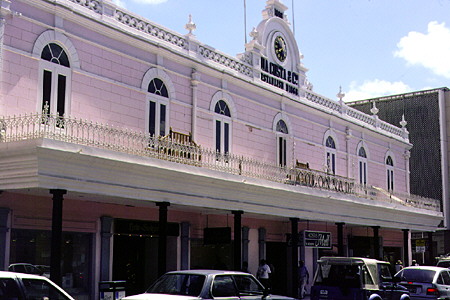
point(390, 179)
point(362, 167)
point(330, 156)
point(158, 100)
point(47, 37)
point(222, 120)
point(55, 70)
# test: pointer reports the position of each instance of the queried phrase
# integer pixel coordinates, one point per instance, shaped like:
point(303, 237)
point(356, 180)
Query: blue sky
point(369, 47)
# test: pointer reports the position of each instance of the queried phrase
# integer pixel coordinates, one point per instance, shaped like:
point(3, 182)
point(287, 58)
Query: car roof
point(350, 260)
point(7, 274)
point(432, 268)
point(208, 272)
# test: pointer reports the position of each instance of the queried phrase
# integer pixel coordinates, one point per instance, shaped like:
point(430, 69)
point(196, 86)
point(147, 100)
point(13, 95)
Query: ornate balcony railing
point(77, 131)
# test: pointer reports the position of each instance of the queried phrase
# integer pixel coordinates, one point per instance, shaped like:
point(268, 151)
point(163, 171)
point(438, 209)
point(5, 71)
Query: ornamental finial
point(190, 26)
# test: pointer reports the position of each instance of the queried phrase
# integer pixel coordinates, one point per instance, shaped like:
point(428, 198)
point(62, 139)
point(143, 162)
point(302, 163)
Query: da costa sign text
point(278, 76)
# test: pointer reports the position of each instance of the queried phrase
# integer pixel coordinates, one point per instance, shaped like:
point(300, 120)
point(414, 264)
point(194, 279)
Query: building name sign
point(322, 181)
point(279, 77)
point(317, 239)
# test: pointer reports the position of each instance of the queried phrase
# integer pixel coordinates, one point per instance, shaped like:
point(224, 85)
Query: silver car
point(426, 282)
point(206, 284)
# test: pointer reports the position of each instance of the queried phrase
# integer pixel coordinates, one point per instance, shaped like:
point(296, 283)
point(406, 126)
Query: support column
point(340, 233)
point(237, 239)
point(405, 247)
point(4, 231)
point(105, 247)
point(56, 242)
point(162, 237)
point(262, 243)
point(245, 242)
point(184, 249)
point(430, 259)
point(376, 242)
point(294, 261)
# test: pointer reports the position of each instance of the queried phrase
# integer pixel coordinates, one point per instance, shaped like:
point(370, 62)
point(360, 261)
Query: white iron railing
point(38, 125)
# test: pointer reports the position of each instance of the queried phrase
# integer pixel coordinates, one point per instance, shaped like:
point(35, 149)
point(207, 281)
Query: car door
point(248, 287)
point(223, 287)
point(445, 287)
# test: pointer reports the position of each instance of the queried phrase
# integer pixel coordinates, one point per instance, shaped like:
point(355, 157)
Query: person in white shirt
point(263, 273)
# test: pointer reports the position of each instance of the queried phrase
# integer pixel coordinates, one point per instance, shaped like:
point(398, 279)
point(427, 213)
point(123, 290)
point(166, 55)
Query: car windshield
point(417, 275)
point(340, 275)
point(178, 284)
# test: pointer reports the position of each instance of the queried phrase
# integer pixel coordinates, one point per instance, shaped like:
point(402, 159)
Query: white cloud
point(375, 88)
point(120, 3)
point(430, 50)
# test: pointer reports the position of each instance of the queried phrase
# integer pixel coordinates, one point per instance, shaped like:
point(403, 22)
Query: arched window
point(222, 127)
point(330, 155)
point(362, 164)
point(55, 78)
point(158, 101)
point(282, 131)
point(390, 173)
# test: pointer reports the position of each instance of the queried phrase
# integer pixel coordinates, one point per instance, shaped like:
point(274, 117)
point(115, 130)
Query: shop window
point(33, 247)
point(158, 102)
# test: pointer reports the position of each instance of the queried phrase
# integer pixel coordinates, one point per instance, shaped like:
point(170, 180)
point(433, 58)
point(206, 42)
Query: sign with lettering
point(279, 77)
point(316, 239)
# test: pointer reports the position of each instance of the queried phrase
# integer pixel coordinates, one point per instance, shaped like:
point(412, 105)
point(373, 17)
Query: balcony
point(180, 148)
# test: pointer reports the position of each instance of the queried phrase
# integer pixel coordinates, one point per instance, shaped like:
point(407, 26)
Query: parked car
point(425, 282)
point(444, 263)
point(25, 268)
point(27, 286)
point(345, 278)
point(206, 284)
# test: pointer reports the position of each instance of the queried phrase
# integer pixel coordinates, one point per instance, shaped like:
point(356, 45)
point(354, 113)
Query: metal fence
point(82, 132)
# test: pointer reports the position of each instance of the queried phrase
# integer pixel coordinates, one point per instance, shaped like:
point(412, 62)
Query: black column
point(294, 261)
point(405, 247)
point(184, 247)
point(245, 242)
point(105, 247)
point(340, 233)
point(162, 237)
point(4, 229)
point(237, 239)
point(376, 242)
point(430, 259)
point(56, 249)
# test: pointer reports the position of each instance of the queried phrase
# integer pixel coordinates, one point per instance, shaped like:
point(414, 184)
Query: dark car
point(352, 278)
point(206, 284)
point(425, 282)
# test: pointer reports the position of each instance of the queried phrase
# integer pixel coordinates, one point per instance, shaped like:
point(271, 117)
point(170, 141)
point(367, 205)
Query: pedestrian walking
point(303, 277)
point(263, 273)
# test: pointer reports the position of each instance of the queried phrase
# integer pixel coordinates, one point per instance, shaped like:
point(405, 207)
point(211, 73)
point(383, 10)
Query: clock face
point(279, 46)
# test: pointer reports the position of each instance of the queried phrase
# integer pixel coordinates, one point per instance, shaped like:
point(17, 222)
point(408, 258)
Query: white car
point(206, 284)
point(27, 286)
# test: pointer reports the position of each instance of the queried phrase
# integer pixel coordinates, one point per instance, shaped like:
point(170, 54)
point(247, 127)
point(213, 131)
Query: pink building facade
point(127, 150)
